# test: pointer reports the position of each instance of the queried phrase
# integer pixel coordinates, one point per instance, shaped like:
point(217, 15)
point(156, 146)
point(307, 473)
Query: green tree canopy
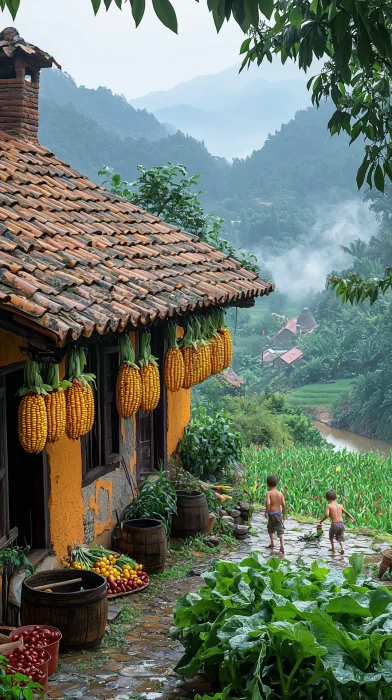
point(352, 36)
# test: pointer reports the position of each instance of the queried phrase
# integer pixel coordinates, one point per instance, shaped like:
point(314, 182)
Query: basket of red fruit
point(33, 663)
point(40, 638)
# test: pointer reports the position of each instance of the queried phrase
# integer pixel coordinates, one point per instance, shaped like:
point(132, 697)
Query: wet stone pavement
point(140, 661)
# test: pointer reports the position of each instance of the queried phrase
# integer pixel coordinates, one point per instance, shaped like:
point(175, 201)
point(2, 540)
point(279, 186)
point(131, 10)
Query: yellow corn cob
point(205, 361)
point(90, 409)
point(187, 357)
point(56, 414)
point(151, 390)
point(174, 369)
point(128, 391)
point(32, 423)
point(227, 347)
point(76, 406)
point(217, 354)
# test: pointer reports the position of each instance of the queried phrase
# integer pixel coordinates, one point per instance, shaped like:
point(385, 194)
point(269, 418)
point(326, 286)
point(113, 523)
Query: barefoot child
point(275, 511)
point(335, 512)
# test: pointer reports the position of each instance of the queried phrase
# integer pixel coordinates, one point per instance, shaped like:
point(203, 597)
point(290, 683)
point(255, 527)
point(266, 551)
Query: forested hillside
point(113, 112)
point(270, 201)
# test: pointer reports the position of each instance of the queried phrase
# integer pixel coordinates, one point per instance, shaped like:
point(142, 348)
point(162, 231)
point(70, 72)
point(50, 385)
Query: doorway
point(151, 428)
point(27, 476)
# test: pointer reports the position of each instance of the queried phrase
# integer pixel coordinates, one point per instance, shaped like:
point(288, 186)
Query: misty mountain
point(112, 112)
point(82, 141)
point(282, 197)
point(232, 113)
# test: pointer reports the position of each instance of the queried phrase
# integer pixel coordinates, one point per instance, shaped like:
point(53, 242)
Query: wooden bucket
point(386, 562)
point(145, 541)
point(192, 515)
point(80, 615)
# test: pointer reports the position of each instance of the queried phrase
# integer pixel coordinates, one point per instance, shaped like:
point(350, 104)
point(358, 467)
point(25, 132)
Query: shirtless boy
point(275, 511)
point(335, 512)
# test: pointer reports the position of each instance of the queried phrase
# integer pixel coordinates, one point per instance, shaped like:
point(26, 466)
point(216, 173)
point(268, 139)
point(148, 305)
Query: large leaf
point(138, 8)
point(355, 569)
point(347, 605)
point(164, 10)
point(299, 635)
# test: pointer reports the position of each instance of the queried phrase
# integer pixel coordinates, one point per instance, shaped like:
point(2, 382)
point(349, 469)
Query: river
point(351, 441)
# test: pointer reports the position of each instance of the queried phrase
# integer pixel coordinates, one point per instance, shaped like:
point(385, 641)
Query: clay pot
point(386, 562)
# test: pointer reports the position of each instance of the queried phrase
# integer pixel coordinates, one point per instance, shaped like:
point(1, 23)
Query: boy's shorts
point(275, 524)
point(337, 531)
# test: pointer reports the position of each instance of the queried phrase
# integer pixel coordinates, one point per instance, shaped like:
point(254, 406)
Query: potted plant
point(147, 522)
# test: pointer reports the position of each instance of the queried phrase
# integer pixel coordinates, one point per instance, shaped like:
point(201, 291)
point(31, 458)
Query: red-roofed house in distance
point(80, 267)
point(291, 358)
point(304, 324)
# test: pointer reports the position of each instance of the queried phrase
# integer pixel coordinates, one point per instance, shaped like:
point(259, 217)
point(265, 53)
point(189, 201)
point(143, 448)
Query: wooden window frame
point(95, 444)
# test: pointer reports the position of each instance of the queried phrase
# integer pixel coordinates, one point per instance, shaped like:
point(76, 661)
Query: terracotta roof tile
point(76, 259)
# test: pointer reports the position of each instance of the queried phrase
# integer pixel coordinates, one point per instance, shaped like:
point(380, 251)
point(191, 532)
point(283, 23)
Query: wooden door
point(151, 428)
point(4, 509)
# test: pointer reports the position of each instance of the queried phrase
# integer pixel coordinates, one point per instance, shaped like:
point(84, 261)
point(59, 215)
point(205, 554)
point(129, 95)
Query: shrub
point(209, 444)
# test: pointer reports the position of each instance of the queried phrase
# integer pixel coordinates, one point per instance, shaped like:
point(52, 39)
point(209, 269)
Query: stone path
point(140, 663)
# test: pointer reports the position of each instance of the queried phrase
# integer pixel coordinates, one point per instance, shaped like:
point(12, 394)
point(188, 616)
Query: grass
point(326, 394)
point(117, 637)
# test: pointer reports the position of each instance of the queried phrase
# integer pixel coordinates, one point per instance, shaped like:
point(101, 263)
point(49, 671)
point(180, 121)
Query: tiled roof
point(291, 356)
point(75, 259)
point(232, 378)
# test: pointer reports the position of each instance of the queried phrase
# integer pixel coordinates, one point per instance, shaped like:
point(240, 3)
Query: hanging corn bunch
point(173, 369)
point(217, 347)
point(128, 385)
point(79, 397)
point(32, 418)
point(55, 403)
point(190, 353)
point(205, 350)
point(227, 339)
point(149, 375)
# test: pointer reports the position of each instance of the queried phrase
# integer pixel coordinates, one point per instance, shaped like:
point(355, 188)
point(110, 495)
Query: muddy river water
point(351, 441)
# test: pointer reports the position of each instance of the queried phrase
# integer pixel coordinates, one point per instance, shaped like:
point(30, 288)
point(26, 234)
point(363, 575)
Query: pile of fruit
point(123, 574)
point(29, 663)
point(38, 637)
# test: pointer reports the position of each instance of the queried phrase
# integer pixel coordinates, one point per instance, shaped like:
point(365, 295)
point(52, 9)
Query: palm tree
point(356, 248)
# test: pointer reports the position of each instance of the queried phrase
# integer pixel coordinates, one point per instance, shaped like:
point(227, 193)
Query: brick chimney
point(20, 65)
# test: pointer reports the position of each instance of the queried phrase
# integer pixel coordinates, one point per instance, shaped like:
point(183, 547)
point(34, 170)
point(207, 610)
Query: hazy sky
point(108, 50)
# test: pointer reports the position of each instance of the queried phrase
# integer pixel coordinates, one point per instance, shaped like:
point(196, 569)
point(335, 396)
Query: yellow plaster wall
point(65, 501)
point(9, 348)
point(178, 417)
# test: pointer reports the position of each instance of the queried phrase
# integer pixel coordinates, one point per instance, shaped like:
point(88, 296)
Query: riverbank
point(344, 439)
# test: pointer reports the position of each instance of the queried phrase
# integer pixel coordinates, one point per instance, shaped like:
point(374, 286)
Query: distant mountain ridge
point(111, 111)
point(232, 113)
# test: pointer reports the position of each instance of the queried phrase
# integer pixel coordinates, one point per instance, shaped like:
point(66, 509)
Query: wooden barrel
point(80, 615)
point(145, 540)
point(192, 515)
point(386, 562)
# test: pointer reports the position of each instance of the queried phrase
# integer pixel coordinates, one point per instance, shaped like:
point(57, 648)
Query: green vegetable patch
point(362, 482)
point(274, 629)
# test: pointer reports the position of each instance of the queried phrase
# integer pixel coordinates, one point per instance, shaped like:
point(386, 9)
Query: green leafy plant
point(11, 558)
point(274, 629)
point(156, 499)
point(17, 686)
point(210, 445)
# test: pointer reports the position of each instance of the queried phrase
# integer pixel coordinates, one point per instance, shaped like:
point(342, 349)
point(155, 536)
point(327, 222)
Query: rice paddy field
point(362, 482)
point(325, 394)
